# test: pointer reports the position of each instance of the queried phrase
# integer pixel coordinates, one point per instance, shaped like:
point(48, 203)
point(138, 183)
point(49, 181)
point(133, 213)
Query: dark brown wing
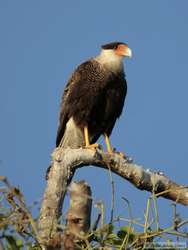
point(94, 97)
point(81, 95)
point(115, 97)
point(64, 116)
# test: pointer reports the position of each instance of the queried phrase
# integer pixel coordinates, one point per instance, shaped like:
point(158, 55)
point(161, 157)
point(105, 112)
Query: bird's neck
point(110, 61)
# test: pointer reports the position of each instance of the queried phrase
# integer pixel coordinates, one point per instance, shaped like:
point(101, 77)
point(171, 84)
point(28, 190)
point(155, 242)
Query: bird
point(93, 99)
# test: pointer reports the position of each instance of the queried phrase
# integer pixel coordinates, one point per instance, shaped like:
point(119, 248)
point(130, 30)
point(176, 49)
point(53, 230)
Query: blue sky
point(42, 41)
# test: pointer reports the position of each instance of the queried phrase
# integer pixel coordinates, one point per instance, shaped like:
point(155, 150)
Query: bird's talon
point(110, 152)
point(121, 154)
point(94, 146)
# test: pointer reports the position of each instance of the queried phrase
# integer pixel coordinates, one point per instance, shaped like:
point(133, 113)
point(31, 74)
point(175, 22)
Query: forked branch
point(66, 161)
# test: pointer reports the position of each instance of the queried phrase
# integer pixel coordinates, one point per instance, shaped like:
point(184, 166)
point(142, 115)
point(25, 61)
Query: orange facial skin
point(123, 50)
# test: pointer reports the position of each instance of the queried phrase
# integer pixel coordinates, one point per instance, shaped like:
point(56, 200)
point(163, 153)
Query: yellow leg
point(109, 147)
point(107, 140)
point(86, 137)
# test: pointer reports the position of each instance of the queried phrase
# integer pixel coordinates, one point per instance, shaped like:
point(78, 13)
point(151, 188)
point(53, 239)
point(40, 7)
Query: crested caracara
point(93, 99)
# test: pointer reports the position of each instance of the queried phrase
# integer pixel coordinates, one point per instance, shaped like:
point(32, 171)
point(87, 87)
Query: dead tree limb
point(78, 215)
point(1, 246)
point(66, 161)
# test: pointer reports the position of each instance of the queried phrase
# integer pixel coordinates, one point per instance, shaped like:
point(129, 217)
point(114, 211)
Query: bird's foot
point(121, 154)
point(110, 151)
point(94, 146)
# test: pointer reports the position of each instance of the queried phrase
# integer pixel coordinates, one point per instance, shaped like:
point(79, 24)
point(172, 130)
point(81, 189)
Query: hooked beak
point(123, 50)
point(128, 52)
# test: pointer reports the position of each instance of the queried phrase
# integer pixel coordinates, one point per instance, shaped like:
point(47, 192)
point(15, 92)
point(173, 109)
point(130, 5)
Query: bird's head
point(112, 55)
point(118, 49)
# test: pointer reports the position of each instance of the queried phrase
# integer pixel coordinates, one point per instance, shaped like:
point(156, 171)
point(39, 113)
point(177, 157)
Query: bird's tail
point(73, 136)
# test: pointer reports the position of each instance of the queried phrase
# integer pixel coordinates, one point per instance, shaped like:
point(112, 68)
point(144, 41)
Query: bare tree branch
point(78, 215)
point(66, 161)
point(1, 246)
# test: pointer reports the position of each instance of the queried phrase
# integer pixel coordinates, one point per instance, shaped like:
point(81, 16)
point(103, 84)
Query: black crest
point(113, 45)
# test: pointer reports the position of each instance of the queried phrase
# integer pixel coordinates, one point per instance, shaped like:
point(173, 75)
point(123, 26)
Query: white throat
point(110, 60)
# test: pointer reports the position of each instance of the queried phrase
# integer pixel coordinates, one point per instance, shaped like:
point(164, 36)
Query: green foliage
point(18, 229)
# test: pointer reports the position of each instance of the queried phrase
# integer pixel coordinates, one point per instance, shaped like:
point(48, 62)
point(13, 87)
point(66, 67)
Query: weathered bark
point(78, 215)
point(52, 202)
point(66, 161)
point(1, 246)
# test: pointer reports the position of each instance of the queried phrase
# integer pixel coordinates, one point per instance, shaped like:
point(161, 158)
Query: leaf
point(114, 240)
point(19, 243)
point(12, 242)
point(126, 230)
point(112, 236)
